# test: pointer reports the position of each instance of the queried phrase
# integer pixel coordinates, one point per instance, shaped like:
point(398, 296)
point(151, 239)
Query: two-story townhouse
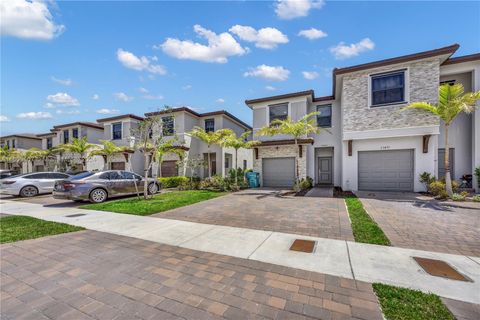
point(180, 121)
point(371, 143)
point(21, 142)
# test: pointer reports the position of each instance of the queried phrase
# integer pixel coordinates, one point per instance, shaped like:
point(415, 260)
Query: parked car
point(31, 184)
point(7, 173)
point(99, 186)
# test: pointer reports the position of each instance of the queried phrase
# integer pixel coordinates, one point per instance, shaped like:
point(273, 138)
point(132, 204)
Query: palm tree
point(80, 147)
point(167, 146)
point(232, 141)
point(297, 129)
point(31, 155)
point(10, 155)
point(108, 151)
point(209, 138)
point(451, 102)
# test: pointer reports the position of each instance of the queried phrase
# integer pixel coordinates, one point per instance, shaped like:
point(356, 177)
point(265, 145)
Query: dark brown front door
point(117, 165)
point(169, 169)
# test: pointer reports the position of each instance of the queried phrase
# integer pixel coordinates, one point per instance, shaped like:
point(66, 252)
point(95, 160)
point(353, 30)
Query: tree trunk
point(236, 165)
point(448, 179)
point(296, 161)
point(209, 163)
point(145, 174)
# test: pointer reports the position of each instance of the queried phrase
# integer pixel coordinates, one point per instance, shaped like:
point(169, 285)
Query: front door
point(325, 170)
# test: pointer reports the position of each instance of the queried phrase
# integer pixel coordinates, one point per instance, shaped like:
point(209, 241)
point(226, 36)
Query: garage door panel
point(278, 172)
point(390, 170)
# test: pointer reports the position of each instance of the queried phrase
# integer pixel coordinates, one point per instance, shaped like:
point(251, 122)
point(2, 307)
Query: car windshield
point(81, 175)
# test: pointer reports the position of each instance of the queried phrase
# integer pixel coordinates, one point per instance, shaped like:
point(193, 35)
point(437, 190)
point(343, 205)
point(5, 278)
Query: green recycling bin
point(253, 179)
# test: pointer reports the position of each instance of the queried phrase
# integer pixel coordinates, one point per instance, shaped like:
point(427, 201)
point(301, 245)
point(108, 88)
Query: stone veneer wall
point(423, 85)
point(281, 152)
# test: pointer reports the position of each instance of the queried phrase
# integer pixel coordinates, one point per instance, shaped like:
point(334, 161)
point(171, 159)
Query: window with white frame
point(49, 143)
point(388, 88)
point(75, 133)
point(66, 136)
point(324, 119)
point(278, 112)
point(168, 128)
point(209, 125)
point(117, 131)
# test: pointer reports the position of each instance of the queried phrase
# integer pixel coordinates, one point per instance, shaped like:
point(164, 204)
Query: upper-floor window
point(49, 143)
point(13, 144)
point(449, 82)
point(388, 88)
point(8, 144)
point(324, 119)
point(66, 136)
point(279, 111)
point(168, 126)
point(117, 131)
point(209, 125)
point(75, 133)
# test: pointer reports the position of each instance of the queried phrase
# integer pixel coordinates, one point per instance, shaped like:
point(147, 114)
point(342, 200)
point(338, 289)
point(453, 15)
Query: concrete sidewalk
point(370, 263)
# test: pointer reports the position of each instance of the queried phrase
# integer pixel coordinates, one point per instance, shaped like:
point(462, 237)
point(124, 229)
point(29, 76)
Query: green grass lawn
point(16, 228)
point(406, 304)
point(364, 228)
point(159, 203)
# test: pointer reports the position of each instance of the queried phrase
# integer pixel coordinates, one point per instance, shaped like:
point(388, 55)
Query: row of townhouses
point(367, 143)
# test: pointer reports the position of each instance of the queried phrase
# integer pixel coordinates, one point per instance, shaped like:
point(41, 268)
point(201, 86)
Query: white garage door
point(278, 172)
point(385, 170)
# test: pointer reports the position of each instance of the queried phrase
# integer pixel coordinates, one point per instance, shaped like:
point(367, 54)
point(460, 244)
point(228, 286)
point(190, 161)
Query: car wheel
point(98, 195)
point(153, 188)
point(29, 191)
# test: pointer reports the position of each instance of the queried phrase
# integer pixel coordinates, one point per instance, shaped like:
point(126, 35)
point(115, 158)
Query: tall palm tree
point(297, 129)
point(209, 138)
point(108, 151)
point(80, 147)
point(232, 141)
point(451, 102)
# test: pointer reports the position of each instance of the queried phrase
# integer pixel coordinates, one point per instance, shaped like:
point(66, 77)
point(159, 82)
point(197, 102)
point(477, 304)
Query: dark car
point(99, 186)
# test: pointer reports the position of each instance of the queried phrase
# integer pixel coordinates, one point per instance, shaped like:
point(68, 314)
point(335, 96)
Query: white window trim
point(289, 111)
point(406, 72)
point(121, 130)
point(174, 125)
point(331, 114)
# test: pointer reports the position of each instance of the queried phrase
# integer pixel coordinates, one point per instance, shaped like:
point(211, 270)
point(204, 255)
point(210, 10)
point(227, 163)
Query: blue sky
point(72, 61)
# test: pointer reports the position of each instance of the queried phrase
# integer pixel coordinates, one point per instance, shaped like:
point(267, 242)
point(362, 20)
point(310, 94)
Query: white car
point(31, 184)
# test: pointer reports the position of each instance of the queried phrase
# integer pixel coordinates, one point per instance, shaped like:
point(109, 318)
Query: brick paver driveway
point(93, 275)
point(270, 210)
point(414, 221)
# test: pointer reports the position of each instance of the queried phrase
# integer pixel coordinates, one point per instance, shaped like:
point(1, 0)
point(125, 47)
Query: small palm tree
point(209, 138)
point(80, 147)
point(451, 102)
point(232, 141)
point(165, 147)
point(108, 151)
point(297, 129)
point(10, 155)
point(31, 155)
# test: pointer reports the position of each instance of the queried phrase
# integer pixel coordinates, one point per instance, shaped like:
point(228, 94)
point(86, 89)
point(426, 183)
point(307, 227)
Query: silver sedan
point(98, 187)
point(31, 184)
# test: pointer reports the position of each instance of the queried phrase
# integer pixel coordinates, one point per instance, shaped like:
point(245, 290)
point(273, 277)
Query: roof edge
point(128, 115)
point(461, 59)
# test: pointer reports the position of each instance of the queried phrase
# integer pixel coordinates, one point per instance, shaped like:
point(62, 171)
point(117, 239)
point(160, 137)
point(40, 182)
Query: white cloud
point(107, 111)
point(4, 118)
point(265, 38)
point(187, 87)
point(142, 90)
point(131, 61)
point(270, 88)
point(28, 20)
point(95, 97)
point(65, 82)
point(343, 51)
point(34, 115)
point(67, 112)
point(61, 99)
point(273, 73)
point(310, 75)
point(220, 100)
point(152, 97)
point(312, 33)
point(219, 48)
point(291, 9)
point(121, 96)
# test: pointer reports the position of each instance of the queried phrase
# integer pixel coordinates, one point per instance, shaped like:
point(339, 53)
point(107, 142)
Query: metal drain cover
point(440, 268)
point(76, 215)
point(303, 245)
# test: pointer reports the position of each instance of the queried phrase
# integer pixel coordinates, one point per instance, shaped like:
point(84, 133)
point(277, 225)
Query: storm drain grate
point(76, 215)
point(440, 268)
point(303, 245)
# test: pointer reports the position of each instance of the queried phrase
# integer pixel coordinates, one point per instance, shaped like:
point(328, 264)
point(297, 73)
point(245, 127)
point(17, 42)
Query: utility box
point(253, 179)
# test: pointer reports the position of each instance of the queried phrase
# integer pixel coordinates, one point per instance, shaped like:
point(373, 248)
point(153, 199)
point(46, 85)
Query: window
point(75, 133)
point(37, 176)
point(388, 88)
point(56, 175)
point(49, 143)
point(279, 112)
point(209, 125)
point(324, 119)
point(244, 164)
point(117, 131)
point(66, 136)
point(13, 144)
point(449, 82)
point(111, 175)
point(167, 126)
point(8, 144)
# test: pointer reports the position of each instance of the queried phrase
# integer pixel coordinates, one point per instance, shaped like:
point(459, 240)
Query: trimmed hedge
point(172, 182)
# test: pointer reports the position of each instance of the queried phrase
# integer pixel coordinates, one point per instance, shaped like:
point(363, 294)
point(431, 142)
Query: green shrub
point(215, 183)
point(303, 184)
point(192, 183)
point(172, 182)
point(427, 178)
point(458, 197)
point(436, 187)
point(476, 198)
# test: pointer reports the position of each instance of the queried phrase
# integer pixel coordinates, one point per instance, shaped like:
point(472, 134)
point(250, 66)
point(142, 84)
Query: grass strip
point(16, 228)
point(407, 304)
point(364, 228)
point(159, 203)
